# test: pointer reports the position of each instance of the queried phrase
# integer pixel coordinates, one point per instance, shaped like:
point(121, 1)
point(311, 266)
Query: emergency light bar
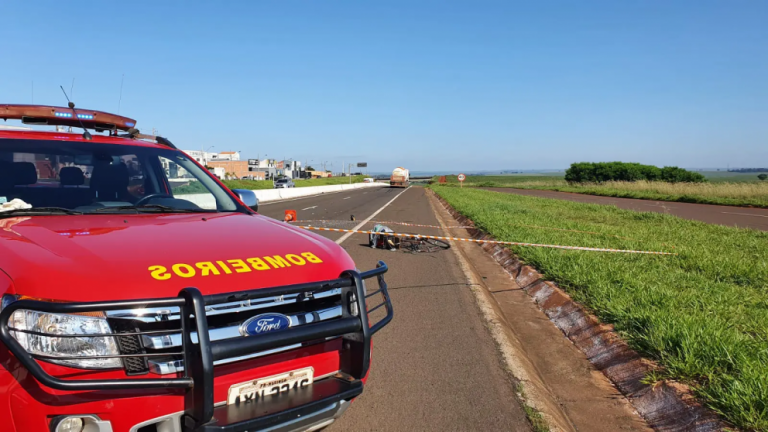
point(63, 116)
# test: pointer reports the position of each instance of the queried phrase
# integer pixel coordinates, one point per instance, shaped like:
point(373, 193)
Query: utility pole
point(202, 156)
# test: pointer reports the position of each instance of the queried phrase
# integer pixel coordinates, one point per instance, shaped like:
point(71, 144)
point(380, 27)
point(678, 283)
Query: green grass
point(249, 184)
point(195, 187)
point(537, 420)
point(702, 315)
point(514, 180)
point(721, 190)
point(538, 424)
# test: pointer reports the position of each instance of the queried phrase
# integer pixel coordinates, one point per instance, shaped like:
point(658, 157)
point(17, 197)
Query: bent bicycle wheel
point(438, 243)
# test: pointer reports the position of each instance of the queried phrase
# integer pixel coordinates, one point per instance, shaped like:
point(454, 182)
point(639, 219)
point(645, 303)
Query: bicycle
point(421, 245)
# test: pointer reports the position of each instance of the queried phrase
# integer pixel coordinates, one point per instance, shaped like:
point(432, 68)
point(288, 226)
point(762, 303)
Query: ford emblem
point(264, 323)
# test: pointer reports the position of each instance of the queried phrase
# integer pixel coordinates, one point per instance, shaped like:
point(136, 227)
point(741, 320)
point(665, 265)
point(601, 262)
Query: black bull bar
point(353, 326)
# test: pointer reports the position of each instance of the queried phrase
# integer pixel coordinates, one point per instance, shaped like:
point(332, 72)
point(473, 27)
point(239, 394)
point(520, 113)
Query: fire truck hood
point(116, 257)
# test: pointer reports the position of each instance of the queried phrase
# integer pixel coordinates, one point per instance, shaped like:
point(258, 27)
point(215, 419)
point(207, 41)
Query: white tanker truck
point(400, 177)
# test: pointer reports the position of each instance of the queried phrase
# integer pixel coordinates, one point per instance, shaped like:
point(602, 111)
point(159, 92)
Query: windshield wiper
point(151, 208)
point(39, 211)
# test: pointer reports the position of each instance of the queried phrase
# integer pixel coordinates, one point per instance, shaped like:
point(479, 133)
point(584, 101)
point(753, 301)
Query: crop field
point(701, 315)
point(721, 190)
point(732, 177)
point(195, 187)
point(508, 180)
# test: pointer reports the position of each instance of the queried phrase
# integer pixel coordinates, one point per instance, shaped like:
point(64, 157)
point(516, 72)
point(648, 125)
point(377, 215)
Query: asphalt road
point(742, 217)
point(435, 367)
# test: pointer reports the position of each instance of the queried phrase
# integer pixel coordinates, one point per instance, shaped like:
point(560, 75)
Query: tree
point(588, 172)
point(674, 174)
point(309, 168)
point(762, 176)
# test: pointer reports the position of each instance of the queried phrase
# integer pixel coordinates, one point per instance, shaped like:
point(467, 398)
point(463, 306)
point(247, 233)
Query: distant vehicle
point(284, 183)
point(368, 180)
point(400, 177)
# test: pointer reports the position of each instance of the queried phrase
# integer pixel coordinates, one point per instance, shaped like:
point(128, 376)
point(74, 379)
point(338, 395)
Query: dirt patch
point(666, 406)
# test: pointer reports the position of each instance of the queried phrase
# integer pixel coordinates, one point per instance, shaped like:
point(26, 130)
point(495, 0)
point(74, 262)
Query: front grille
point(312, 304)
point(224, 322)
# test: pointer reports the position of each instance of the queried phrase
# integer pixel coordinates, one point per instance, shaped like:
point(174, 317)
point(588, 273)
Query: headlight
point(64, 324)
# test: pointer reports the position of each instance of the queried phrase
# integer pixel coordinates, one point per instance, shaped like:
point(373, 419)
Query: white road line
point(745, 214)
point(308, 208)
point(360, 225)
point(347, 197)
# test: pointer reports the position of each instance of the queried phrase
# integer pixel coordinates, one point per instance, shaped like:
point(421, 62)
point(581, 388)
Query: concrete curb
point(666, 406)
point(275, 195)
point(269, 195)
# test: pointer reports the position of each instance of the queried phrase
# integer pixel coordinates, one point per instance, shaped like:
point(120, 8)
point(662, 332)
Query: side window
point(185, 186)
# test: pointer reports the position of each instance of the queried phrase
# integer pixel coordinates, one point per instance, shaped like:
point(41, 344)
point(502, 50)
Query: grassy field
point(702, 315)
point(721, 190)
point(731, 177)
point(508, 180)
point(195, 187)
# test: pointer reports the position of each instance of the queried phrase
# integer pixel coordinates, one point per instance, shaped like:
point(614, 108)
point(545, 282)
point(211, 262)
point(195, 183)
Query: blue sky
point(430, 85)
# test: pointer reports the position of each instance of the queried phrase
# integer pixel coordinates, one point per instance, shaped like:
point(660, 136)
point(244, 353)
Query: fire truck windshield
point(87, 177)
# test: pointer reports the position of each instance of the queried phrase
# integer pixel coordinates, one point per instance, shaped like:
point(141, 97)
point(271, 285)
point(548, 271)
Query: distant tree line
point(598, 172)
point(748, 170)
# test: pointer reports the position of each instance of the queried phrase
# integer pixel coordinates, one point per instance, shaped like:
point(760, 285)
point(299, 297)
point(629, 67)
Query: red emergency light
point(65, 116)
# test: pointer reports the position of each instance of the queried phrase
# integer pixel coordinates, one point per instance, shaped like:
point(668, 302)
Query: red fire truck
point(139, 294)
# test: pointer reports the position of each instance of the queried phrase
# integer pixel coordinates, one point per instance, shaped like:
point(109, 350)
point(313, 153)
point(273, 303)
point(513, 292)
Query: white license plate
point(272, 385)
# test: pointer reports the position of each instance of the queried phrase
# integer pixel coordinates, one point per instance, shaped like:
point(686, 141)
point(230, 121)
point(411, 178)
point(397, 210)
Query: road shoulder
point(435, 366)
point(555, 376)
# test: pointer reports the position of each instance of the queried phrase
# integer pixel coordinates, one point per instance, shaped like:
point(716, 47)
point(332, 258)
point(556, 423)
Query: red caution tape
point(418, 236)
point(382, 222)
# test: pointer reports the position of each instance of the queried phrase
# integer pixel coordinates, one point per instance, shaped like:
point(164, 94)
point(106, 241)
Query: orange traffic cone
point(290, 215)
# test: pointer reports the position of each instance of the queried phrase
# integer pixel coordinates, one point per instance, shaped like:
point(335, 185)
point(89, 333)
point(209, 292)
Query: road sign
point(462, 177)
point(362, 164)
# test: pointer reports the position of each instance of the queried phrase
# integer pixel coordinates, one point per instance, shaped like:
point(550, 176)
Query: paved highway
point(754, 218)
point(435, 367)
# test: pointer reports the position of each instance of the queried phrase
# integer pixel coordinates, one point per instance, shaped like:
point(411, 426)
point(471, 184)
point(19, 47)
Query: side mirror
point(248, 197)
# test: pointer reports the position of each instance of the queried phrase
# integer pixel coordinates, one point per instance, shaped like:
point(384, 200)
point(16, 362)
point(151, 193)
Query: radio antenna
point(86, 134)
point(120, 100)
point(72, 93)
